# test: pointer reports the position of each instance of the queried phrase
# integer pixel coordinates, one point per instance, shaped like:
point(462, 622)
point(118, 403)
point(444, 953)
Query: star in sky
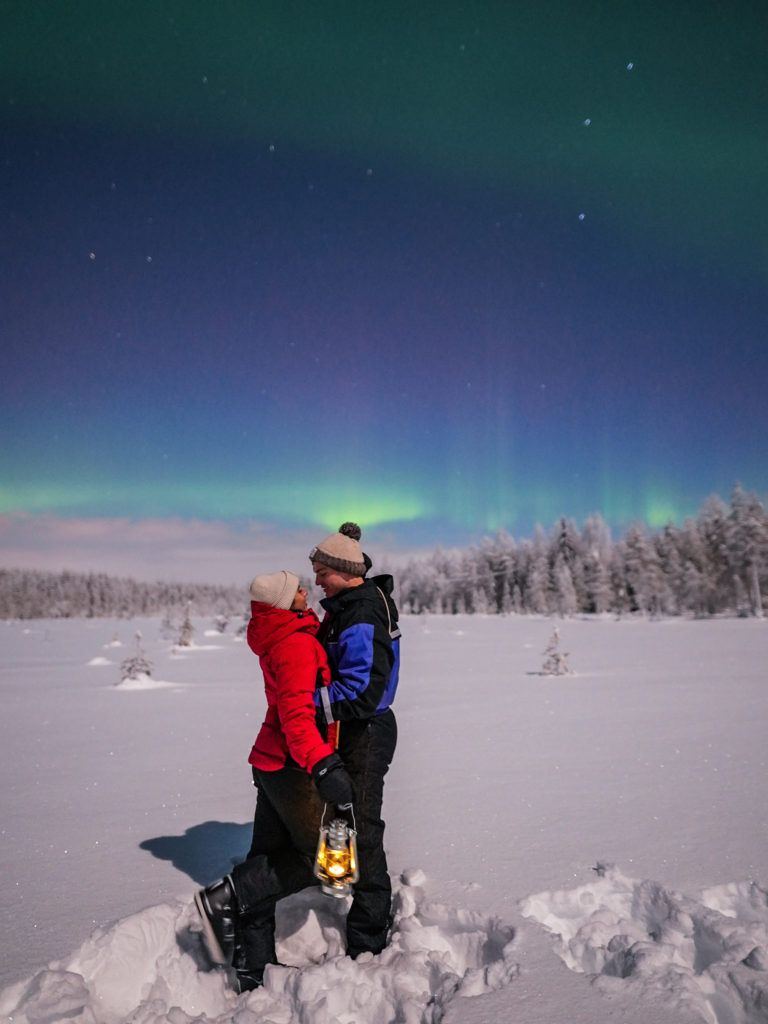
point(442, 269)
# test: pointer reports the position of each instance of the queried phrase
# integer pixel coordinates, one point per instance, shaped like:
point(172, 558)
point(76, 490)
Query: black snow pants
point(285, 833)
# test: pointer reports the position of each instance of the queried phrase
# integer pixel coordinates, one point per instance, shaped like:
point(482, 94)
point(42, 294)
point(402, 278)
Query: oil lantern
point(336, 858)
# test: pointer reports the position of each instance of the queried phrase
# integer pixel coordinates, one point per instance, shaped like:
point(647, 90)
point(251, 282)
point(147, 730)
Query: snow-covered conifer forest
point(28, 594)
point(714, 564)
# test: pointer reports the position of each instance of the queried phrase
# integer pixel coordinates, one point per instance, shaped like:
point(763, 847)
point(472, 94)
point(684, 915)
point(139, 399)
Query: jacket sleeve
point(295, 666)
point(362, 659)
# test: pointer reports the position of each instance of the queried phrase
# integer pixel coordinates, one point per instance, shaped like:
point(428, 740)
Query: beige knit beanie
point(275, 588)
point(342, 551)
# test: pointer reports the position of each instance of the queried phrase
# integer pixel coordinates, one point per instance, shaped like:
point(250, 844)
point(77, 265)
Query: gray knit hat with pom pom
point(342, 551)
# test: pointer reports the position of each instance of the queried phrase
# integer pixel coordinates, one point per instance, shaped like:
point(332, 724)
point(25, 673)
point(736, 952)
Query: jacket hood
point(270, 625)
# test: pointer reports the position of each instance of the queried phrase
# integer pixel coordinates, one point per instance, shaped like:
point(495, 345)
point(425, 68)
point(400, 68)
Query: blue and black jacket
point(361, 637)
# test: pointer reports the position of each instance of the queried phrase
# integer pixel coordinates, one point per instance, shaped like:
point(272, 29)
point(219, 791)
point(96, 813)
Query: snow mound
point(181, 650)
point(142, 681)
point(151, 967)
point(100, 661)
point(707, 955)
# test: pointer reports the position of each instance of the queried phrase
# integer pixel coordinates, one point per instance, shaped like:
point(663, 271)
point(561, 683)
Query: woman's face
point(299, 603)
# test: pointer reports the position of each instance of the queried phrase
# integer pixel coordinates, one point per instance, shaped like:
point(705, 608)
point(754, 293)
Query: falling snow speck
point(582, 216)
point(587, 122)
point(630, 65)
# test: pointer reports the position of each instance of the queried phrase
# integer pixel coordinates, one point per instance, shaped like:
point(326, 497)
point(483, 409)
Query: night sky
point(440, 268)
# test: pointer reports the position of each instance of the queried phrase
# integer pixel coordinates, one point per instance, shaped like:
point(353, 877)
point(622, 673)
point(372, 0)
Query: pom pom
point(351, 530)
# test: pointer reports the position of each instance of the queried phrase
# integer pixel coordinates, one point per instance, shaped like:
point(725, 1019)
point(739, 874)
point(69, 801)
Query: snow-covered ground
point(580, 849)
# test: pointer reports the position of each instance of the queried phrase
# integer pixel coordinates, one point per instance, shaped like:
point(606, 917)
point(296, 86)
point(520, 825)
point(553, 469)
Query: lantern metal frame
point(336, 862)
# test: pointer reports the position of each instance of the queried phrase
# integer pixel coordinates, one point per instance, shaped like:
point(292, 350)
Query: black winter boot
point(247, 981)
point(217, 907)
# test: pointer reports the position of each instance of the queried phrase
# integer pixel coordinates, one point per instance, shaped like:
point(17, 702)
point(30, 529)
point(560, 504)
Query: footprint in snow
point(151, 967)
point(708, 955)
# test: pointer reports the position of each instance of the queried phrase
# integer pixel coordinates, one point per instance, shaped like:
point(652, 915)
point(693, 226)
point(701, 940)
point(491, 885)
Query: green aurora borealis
point(442, 268)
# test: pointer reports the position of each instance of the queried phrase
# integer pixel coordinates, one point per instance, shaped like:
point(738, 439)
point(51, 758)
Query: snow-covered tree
point(187, 629)
point(596, 548)
point(555, 660)
point(712, 529)
point(747, 542)
point(563, 590)
point(137, 665)
point(641, 570)
point(566, 553)
point(536, 593)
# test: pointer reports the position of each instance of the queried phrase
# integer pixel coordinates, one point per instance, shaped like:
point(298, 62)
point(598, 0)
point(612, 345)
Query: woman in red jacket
point(296, 771)
point(294, 665)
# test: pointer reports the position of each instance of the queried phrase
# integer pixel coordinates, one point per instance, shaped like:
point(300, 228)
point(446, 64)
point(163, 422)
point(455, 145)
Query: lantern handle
point(351, 813)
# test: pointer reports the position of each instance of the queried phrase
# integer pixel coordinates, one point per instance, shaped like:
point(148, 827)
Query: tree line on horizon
point(714, 564)
point(34, 594)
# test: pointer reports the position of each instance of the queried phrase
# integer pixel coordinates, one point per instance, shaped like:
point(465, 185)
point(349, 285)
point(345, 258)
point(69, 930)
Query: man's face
point(331, 580)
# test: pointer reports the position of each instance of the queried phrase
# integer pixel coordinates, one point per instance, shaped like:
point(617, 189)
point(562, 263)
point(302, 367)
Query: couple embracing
point(328, 737)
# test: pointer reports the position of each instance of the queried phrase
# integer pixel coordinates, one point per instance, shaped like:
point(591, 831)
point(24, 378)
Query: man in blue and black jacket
point(361, 637)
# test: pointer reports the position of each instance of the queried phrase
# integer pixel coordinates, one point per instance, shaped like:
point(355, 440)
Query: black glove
point(333, 782)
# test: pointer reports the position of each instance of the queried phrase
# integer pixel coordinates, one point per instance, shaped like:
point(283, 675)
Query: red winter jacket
point(293, 664)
